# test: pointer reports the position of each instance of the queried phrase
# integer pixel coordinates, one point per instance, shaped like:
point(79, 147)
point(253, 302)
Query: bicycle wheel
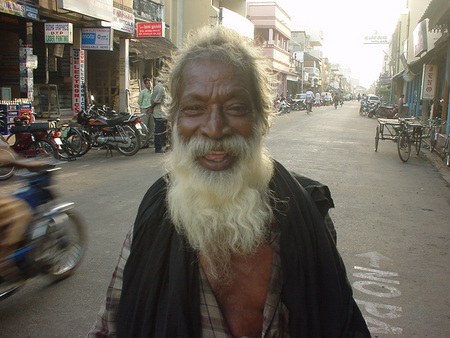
point(6, 171)
point(377, 138)
point(418, 139)
point(44, 148)
point(404, 146)
point(433, 139)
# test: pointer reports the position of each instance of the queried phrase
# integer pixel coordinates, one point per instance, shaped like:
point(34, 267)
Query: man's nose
point(216, 124)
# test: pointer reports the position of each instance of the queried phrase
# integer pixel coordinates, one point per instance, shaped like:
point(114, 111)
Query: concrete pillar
point(124, 73)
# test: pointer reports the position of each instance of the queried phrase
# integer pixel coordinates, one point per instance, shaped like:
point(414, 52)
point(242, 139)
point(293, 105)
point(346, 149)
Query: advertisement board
point(429, 81)
point(78, 74)
point(150, 29)
point(100, 9)
point(58, 32)
point(122, 21)
point(97, 38)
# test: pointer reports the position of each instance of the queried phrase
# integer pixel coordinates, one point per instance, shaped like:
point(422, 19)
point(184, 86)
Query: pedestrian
point(227, 243)
point(400, 103)
point(145, 104)
point(157, 101)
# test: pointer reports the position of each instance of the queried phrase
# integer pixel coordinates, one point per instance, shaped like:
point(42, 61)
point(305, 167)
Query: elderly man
point(228, 243)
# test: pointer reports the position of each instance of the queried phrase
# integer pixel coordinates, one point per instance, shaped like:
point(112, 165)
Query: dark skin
point(216, 104)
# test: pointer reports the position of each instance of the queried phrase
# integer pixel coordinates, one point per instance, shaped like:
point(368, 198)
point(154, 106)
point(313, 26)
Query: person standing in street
point(228, 243)
point(159, 116)
point(145, 104)
point(309, 100)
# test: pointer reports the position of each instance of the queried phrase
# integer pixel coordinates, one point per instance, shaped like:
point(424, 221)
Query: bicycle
point(410, 132)
point(403, 131)
point(70, 140)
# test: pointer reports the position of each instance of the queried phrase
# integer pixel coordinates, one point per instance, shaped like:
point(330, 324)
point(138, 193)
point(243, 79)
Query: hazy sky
point(345, 23)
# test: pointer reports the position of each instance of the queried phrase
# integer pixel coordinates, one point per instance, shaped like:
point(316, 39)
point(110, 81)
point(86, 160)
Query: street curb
point(437, 162)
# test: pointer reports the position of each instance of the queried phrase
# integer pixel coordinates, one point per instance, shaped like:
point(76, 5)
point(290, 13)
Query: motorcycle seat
point(29, 128)
point(116, 120)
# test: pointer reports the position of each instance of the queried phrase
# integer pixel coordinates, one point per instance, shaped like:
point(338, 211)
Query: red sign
point(150, 29)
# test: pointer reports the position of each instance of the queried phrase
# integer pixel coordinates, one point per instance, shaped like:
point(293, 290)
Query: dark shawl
point(160, 295)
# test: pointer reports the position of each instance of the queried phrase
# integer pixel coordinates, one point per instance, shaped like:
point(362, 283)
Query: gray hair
point(228, 46)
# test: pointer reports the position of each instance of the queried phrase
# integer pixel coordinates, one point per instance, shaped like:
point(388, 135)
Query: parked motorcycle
point(144, 132)
point(31, 139)
point(54, 241)
point(372, 109)
point(284, 108)
point(387, 111)
point(364, 108)
point(118, 133)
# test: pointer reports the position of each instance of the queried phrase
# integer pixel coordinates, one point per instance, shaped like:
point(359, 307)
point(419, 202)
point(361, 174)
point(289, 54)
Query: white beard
point(220, 212)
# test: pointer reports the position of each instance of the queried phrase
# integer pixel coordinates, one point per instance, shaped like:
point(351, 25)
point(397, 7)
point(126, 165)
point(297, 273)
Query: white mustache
point(234, 145)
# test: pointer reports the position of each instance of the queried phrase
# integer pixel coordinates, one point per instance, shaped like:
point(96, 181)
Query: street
point(392, 220)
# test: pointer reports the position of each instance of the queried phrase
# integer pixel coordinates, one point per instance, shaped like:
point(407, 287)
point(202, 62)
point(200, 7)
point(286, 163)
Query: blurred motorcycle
point(53, 242)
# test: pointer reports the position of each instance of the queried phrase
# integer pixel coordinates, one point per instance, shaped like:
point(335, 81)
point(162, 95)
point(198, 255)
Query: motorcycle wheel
point(404, 146)
point(144, 134)
point(71, 145)
point(6, 172)
point(64, 245)
point(86, 144)
point(132, 149)
point(44, 148)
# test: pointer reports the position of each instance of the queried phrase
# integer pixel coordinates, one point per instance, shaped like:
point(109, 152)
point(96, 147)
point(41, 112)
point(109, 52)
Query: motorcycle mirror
point(92, 98)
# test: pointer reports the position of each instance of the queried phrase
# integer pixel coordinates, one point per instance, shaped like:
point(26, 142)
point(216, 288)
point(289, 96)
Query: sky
point(344, 24)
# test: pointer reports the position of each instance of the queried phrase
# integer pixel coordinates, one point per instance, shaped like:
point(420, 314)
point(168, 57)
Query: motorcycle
point(386, 111)
point(133, 118)
point(284, 107)
point(32, 139)
point(54, 241)
point(364, 108)
point(118, 133)
point(372, 109)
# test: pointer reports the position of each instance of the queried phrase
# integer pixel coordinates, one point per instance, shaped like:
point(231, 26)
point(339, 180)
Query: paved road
point(392, 221)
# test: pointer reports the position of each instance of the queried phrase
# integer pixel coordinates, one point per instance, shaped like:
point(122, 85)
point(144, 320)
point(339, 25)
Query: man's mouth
point(216, 156)
point(217, 160)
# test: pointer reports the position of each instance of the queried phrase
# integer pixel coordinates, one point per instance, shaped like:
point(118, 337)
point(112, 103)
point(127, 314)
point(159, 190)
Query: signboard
point(59, 32)
point(150, 29)
point(420, 38)
point(25, 9)
point(429, 81)
point(31, 61)
point(376, 39)
point(78, 72)
point(298, 56)
point(100, 9)
point(97, 38)
point(122, 21)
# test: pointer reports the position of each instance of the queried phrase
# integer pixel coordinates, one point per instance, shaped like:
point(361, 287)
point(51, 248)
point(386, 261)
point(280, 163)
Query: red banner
point(150, 29)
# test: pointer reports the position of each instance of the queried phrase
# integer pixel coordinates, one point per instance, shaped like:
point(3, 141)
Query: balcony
point(312, 71)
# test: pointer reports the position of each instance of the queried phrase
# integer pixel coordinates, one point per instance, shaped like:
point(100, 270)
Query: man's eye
point(193, 110)
point(237, 110)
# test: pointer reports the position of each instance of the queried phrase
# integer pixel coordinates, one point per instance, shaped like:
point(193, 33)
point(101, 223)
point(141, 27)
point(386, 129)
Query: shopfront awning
point(151, 48)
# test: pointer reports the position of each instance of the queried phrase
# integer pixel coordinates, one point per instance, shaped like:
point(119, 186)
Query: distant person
point(145, 104)
point(309, 100)
point(159, 116)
